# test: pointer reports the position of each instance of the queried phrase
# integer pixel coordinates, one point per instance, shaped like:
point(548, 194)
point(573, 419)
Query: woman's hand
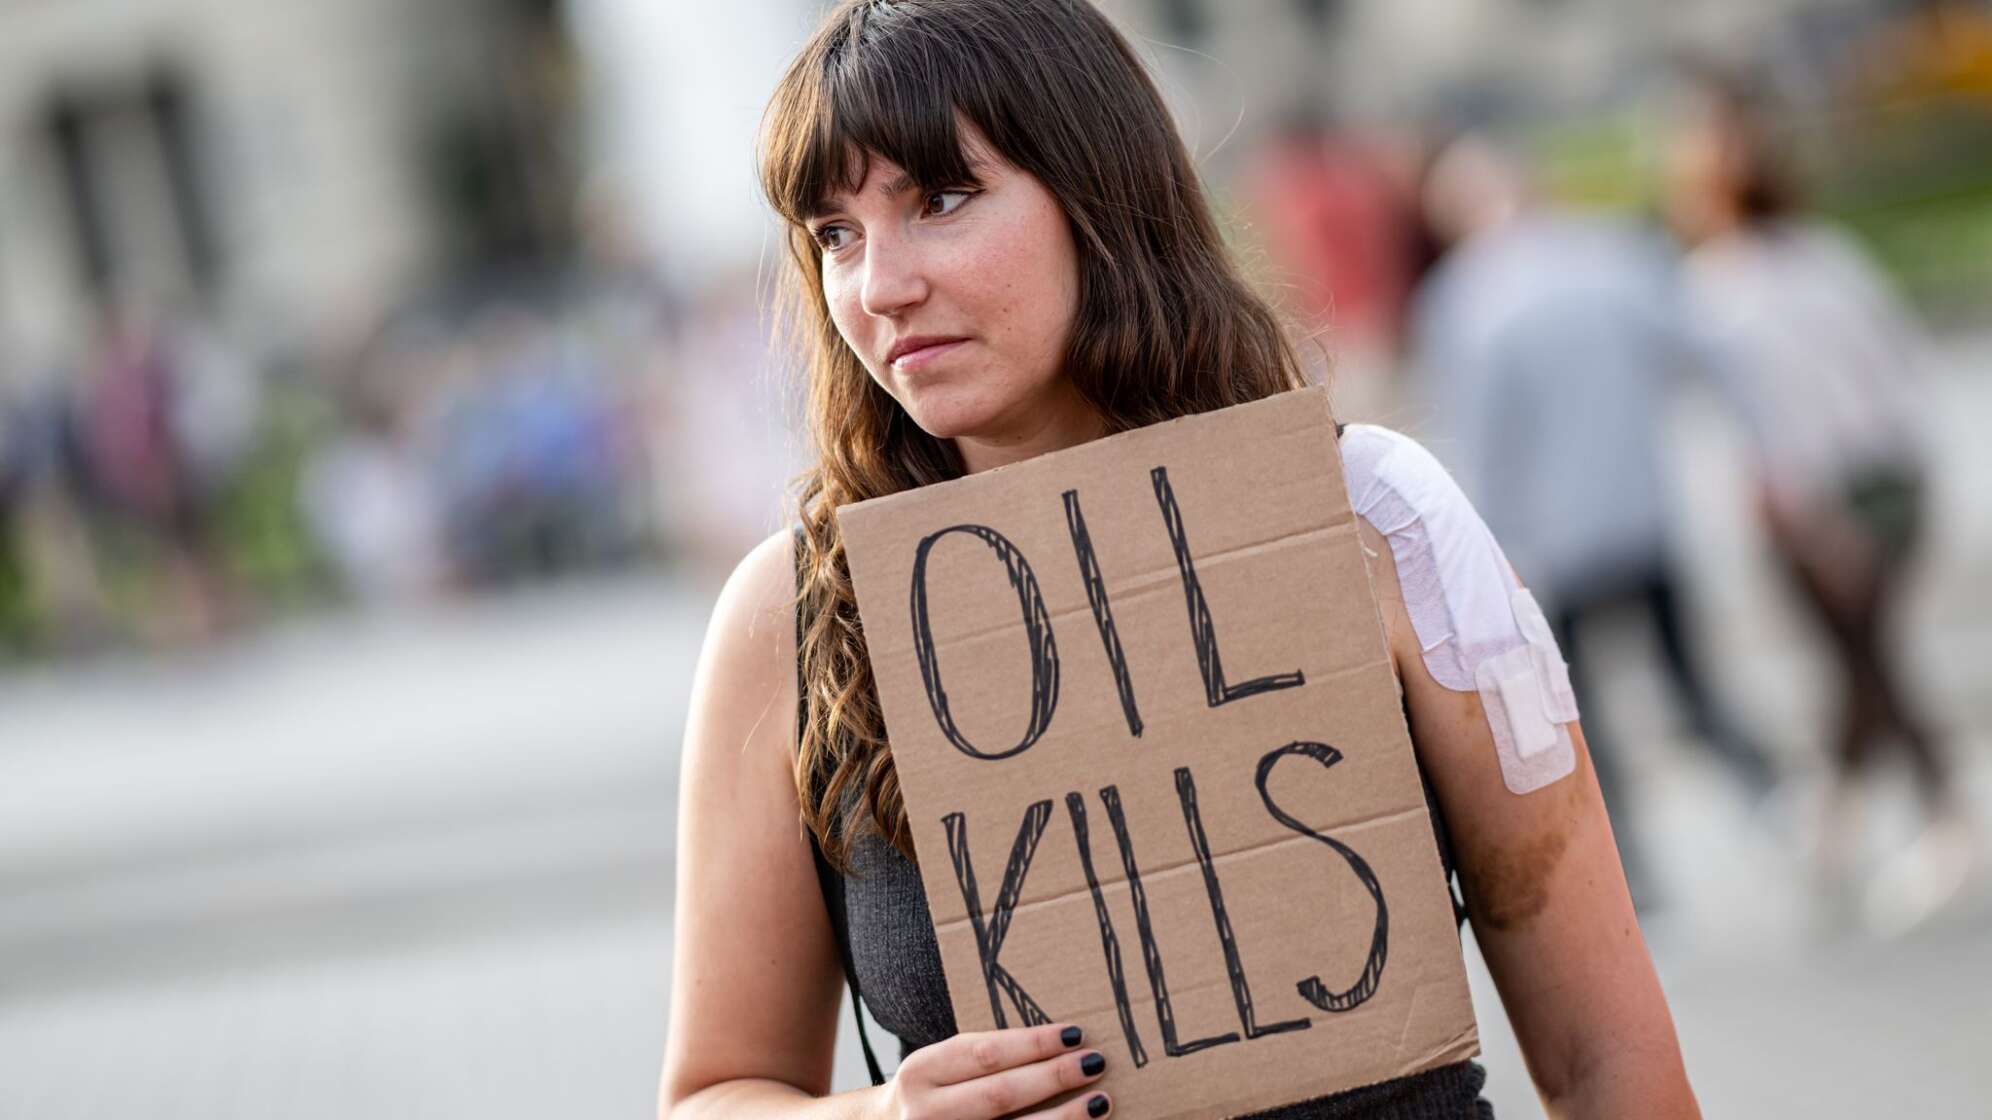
point(984, 1075)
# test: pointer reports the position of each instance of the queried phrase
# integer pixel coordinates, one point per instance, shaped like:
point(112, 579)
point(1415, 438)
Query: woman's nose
point(895, 277)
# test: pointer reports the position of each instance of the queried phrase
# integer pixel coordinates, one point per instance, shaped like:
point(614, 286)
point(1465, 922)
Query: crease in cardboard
point(1410, 1013)
point(1170, 706)
point(1170, 870)
point(1458, 1048)
point(1323, 676)
point(1137, 588)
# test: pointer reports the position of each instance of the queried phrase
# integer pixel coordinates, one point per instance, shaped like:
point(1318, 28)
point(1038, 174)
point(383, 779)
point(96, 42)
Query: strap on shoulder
point(827, 878)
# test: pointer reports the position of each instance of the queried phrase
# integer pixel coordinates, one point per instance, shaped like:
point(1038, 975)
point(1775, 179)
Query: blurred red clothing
point(1338, 230)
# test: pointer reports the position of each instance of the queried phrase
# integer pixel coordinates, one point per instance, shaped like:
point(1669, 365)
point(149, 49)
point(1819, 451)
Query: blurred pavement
point(420, 865)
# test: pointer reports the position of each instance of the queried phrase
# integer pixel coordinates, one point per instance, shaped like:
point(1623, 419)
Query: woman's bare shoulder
point(756, 965)
point(754, 614)
point(745, 688)
point(766, 574)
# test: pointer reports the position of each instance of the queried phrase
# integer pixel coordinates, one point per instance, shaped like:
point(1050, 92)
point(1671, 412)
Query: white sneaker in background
point(1922, 879)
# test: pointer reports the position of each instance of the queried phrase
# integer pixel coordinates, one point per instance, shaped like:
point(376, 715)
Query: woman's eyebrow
point(823, 207)
point(977, 169)
point(891, 188)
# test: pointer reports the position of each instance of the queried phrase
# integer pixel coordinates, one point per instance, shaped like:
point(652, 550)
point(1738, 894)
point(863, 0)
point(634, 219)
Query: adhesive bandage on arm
point(1478, 631)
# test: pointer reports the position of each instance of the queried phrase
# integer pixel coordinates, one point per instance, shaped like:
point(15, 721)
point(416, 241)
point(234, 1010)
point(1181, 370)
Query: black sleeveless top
point(892, 962)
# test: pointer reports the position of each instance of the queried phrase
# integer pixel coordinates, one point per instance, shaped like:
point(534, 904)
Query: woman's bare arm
point(757, 983)
point(755, 990)
point(1548, 901)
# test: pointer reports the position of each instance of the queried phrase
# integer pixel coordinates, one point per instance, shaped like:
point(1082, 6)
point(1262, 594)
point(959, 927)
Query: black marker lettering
point(1312, 989)
point(1151, 955)
point(1103, 610)
point(1037, 629)
point(1203, 629)
point(1234, 966)
point(1109, 942)
point(989, 936)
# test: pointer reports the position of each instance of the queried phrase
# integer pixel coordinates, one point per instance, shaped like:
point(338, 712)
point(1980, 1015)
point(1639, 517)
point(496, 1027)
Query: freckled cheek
point(1045, 306)
point(847, 315)
point(1006, 287)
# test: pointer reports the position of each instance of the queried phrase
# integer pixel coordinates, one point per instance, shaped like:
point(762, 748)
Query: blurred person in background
point(61, 603)
point(723, 446)
point(531, 452)
point(1568, 329)
point(15, 617)
point(1818, 354)
point(42, 551)
point(365, 493)
point(162, 414)
point(999, 247)
point(1337, 224)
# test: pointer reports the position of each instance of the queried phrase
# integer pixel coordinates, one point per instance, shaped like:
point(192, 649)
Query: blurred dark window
point(172, 110)
point(66, 122)
point(500, 157)
point(128, 161)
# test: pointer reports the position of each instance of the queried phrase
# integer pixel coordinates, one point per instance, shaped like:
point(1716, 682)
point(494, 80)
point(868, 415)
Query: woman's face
point(959, 301)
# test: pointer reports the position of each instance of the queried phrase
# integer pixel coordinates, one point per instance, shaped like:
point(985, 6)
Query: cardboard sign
point(1156, 766)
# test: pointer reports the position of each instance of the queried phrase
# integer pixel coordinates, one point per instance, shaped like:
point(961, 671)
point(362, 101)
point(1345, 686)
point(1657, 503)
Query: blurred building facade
point(280, 165)
point(430, 215)
point(287, 162)
point(1373, 61)
point(676, 112)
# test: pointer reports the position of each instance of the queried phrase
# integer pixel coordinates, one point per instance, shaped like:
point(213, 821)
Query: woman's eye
point(946, 202)
point(832, 238)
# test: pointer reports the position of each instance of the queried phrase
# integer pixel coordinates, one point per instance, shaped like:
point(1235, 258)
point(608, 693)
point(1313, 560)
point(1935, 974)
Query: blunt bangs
point(881, 84)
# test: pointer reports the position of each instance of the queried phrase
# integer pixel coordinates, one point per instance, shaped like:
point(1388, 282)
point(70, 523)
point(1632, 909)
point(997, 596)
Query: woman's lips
point(914, 359)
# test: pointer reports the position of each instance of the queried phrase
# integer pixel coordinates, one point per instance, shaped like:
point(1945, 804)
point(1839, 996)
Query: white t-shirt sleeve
point(1456, 581)
point(1478, 631)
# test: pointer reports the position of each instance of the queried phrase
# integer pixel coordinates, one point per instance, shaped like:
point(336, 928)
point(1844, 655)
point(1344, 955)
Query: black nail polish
point(1097, 1106)
point(1092, 1064)
point(1070, 1036)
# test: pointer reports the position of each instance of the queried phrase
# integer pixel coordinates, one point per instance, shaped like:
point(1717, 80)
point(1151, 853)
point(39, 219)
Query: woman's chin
point(950, 419)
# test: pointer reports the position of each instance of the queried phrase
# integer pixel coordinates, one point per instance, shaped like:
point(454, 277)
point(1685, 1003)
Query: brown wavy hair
point(1165, 326)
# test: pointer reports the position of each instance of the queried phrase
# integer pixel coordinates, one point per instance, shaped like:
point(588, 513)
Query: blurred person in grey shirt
point(1567, 330)
point(1819, 357)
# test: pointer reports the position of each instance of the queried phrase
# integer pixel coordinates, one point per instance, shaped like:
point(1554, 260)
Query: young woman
point(1817, 354)
point(1000, 248)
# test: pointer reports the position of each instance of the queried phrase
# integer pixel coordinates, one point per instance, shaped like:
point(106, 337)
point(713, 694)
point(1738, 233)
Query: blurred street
point(418, 863)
